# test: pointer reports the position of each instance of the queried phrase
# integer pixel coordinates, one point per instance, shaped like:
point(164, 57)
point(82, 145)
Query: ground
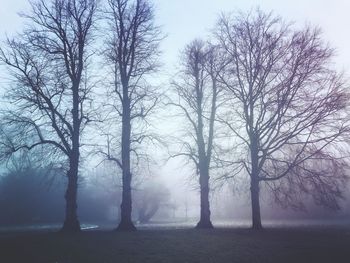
point(186, 245)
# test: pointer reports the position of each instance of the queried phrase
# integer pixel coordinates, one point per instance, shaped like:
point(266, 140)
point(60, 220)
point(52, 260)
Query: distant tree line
point(32, 194)
point(259, 99)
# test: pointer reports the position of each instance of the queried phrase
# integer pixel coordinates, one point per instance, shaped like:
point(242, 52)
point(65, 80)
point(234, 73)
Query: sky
point(185, 20)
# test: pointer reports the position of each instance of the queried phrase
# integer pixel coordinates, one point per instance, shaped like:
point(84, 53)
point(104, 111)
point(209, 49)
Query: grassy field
point(188, 245)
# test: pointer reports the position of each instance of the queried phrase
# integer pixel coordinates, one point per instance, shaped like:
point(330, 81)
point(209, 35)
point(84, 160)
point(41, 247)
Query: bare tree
point(48, 63)
point(288, 107)
point(149, 199)
point(133, 50)
point(197, 99)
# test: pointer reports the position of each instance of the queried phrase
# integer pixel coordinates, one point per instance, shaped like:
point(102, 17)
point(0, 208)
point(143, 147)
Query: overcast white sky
point(183, 20)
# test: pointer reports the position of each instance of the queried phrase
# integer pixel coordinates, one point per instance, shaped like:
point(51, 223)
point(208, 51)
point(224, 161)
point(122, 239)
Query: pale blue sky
point(183, 20)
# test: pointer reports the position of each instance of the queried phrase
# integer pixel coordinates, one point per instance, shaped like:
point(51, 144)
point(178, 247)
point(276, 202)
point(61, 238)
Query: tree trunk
point(71, 223)
point(256, 218)
point(204, 221)
point(126, 223)
point(254, 179)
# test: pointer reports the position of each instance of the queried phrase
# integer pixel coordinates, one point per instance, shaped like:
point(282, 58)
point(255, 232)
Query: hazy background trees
point(33, 194)
point(24, 191)
point(151, 196)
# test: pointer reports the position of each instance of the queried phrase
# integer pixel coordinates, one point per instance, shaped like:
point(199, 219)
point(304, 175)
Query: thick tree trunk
point(256, 218)
point(254, 180)
point(71, 223)
point(254, 187)
point(126, 223)
point(204, 221)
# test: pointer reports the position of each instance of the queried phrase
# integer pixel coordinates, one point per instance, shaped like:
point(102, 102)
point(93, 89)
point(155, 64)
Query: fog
point(35, 196)
point(165, 190)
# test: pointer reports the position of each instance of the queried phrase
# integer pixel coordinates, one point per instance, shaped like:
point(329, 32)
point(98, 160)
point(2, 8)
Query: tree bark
point(126, 223)
point(254, 187)
point(71, 222)
point(256, 217)
point(204, 221)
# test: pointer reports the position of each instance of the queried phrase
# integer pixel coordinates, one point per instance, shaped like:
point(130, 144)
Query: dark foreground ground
point(188, 245)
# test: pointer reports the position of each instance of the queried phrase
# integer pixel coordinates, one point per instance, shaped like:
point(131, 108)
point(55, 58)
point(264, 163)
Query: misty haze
point(174, 131)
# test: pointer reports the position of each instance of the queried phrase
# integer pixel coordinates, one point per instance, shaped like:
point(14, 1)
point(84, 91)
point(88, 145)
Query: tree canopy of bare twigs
point(196, 98)
point(50, 94)
point(287, 107)
point(132, 50)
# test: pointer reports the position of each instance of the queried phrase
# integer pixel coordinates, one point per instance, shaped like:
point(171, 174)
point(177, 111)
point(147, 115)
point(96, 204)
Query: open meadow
point(180, 245)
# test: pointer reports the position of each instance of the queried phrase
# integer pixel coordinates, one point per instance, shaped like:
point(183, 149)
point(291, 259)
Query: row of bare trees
point(261, 100)
point(52, 94)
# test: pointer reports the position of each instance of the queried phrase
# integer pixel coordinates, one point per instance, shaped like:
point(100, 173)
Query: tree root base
point(71, 226)
point(204, 225)
point(126, 227)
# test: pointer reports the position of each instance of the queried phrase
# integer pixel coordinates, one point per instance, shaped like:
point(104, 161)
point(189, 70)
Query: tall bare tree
point(133, 50)
point(197, 98)
point(288, 107)
point(48, 63)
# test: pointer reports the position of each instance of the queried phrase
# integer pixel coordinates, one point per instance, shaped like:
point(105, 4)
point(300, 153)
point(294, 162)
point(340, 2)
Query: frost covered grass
point(186, 245)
